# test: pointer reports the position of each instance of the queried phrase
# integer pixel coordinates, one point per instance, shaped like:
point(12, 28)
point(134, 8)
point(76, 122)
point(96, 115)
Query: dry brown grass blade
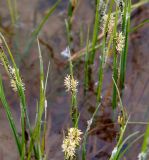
point(82, 51)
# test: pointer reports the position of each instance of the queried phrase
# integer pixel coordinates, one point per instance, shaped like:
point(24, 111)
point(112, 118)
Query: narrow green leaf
point(10, 117)
point(125, 30)
point(96, 31)
point(39, 27)
point(115, 63)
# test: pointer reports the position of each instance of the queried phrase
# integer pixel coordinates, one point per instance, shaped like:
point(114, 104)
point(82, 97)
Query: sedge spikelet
point(110, 23)
point(70, 83)
point(71, 142)
point(120, 39)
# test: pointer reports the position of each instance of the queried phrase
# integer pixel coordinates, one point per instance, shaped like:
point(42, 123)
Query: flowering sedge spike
point(10, 70)
point(120, 39)
point(67, 82)
point(70, 84)
point(74, 84)
point(120, 4)
point(110, 23)
point(102, 9)
point(13, 79)
point(74, 134)
point(3, 58)
point(71, 142)
point(68, 148)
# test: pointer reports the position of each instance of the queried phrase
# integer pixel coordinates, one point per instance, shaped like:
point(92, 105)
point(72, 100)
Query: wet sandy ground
point(102, 137)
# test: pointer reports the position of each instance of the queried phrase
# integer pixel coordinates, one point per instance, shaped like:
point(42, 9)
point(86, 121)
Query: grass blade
point(125, 30)
point(86, 132)
point(39, 27)
point(9, 117)
point(115, 64)
point(87, 75)
point(96, 31)
point(102, 58)
point(145, 141)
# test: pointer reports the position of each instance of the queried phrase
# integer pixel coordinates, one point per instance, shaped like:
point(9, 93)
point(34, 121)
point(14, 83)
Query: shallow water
point(103, 133)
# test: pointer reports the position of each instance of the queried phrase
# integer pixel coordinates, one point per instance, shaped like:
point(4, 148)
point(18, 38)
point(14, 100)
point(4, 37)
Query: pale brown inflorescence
point(13, 79)
point(120, 40)
point(11, 72)
point(71, 142)
point(70, 83)
point(110, 24)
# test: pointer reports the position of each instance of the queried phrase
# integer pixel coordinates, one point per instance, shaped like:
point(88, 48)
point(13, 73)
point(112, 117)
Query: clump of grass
point(37, 142)
point(113, 18)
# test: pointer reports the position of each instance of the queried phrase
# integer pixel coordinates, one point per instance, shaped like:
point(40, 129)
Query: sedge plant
point(35, 145)
point(112, 18)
